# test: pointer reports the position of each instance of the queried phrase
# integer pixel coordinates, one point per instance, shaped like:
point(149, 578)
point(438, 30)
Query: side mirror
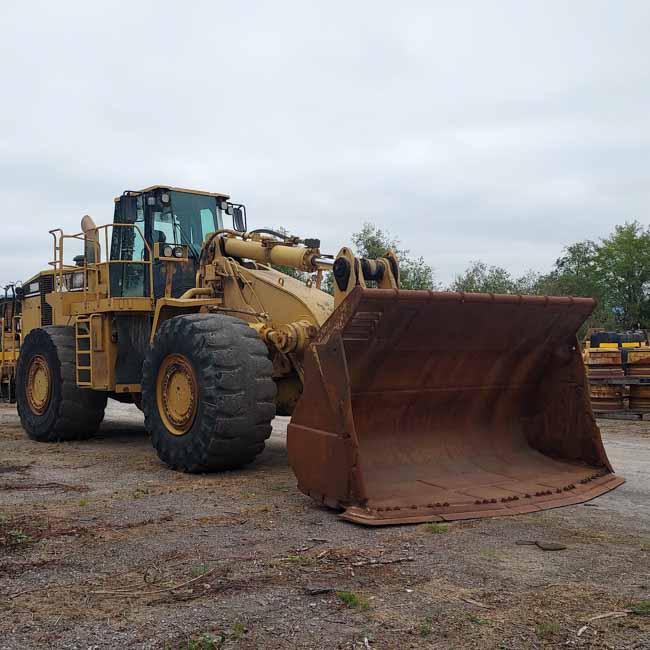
point(129, 208)
point(238, 220)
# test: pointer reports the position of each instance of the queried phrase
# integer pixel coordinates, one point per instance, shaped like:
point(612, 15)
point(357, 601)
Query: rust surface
point(640, 398)
point(422, 406)
point(638, 363)
point(604, 364)
point(606, 398)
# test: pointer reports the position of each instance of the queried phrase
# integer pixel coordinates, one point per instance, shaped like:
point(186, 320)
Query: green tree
point(615, 271)
point(530, 283)
point(373, 242)
point(623, 263)
point(481, 278)
point(576, 273)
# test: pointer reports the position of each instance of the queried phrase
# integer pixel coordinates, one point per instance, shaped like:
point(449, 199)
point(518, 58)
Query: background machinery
point(9, 340)
point(406, 405)
point(618, 370)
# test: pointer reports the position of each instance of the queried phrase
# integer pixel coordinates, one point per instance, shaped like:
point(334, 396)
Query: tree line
point(615, 270)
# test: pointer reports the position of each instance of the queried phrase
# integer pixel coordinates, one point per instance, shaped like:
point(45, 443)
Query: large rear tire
point(51, 406)
point(207, 393)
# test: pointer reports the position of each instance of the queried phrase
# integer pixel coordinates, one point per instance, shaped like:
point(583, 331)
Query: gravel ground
point(103, 547)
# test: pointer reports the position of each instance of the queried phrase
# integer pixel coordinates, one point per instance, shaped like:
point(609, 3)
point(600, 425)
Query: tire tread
point(78, 412)
point(237, 393)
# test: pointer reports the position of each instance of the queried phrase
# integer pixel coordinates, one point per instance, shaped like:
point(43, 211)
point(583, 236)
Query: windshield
point(187, 219)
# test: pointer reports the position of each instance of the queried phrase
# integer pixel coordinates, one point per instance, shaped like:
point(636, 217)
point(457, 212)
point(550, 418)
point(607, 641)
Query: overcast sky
point(498, 131)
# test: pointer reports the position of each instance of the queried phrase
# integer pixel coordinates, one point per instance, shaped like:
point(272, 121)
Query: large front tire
point(207, 393)
point(51, 406)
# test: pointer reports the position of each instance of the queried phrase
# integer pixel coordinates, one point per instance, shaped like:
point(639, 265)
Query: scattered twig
point(550, 546)
point(88, 465)
point(582, 629)
point(44, 486)
point(314, 591)
point(618, 614)
point(545, 546)
point(43, 588)
point(153, 593)
point(471, 601)
point(394, 561)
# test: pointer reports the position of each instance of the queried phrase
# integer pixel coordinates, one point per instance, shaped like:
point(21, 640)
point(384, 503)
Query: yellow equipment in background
point(618, 369)
point(10, 336)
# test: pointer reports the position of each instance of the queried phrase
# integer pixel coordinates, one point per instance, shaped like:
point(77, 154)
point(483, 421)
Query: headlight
point(77, 280)
point(168, 251)
point(178, 251)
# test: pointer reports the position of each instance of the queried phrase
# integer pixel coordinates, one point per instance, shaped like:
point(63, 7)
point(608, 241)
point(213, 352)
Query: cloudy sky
point(497, 130)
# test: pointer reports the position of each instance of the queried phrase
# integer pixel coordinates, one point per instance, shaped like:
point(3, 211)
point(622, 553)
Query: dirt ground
point(101, 547)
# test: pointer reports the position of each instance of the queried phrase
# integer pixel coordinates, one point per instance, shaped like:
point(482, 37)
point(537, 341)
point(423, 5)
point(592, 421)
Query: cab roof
point(177, 189)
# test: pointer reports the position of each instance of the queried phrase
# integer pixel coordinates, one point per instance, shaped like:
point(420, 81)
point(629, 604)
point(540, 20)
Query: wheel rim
point(177, 394)
point(39, 385)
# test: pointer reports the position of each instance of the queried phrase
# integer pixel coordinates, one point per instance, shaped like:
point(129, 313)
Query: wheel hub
point(39, 385)
point(177, 394)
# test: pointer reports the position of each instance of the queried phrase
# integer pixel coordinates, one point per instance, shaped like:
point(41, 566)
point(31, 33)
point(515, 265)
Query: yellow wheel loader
point(9, 341)
point(406, 406)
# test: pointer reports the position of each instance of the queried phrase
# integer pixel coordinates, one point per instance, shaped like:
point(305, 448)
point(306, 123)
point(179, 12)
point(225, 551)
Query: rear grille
point(46, 285)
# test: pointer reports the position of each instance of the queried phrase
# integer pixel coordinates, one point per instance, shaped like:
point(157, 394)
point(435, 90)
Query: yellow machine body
point(393, 391)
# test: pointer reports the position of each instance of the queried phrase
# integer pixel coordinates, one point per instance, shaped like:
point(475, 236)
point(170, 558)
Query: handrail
point(59, 265)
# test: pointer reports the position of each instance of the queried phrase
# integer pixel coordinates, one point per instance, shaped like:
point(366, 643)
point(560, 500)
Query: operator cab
point(168, 227)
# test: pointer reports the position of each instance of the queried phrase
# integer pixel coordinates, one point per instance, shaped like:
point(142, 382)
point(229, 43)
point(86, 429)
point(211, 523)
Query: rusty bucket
point(424, 406)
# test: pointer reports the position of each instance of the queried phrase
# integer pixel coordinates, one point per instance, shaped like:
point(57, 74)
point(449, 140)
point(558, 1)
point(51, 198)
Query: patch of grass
point(141, 492)
point(237, 631)
point(436, 529)
point(18, 538)
point(489, 554)
point(642, 608)
point(280, 487)
point(477, 620)
point(302, 560)
point(546, 630)
point(199, 569)
point(205, 642)
point(426, 627)
point(352, 600)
